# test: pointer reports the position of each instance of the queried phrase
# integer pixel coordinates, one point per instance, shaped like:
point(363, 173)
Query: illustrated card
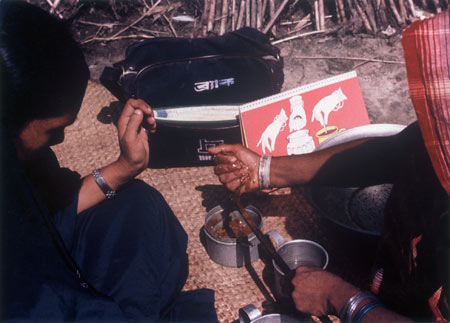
point(298, 120)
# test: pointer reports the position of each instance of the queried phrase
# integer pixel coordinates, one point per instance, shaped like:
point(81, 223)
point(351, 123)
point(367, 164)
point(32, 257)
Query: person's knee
point(138, 189)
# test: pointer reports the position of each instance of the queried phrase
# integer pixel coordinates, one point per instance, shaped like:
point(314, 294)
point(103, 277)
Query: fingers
point(133, 128)
point(225, 149)
point(223, 168)
point(221, 158)
point(301, 273)
point(128, 113)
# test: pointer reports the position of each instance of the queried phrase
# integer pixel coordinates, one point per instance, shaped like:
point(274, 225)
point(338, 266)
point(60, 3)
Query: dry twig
point(104, 25)
point(275, 17)
point(321, 15)
point(403, 13)
point(298, 36)
point(145, 14)
point(241, 15)
point(395, 12)
point(212, 11)
point(174, 32)
point(341, 9)
point(263, 11)
point(53, 6)
point(258, 14)
point(253, 14)
point(412, 9)
point(106, 39)
point(272, 13)
point(233, 15)
point(368, 10)
point(363, 16)
point(248, 13)
point(223, 21)
point(375, 60)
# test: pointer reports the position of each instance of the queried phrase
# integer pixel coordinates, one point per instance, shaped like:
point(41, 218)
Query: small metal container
point(250, 314)
point(231, 252)
point(295, 253)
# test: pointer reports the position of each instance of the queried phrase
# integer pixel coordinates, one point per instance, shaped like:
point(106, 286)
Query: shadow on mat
point(111, 113)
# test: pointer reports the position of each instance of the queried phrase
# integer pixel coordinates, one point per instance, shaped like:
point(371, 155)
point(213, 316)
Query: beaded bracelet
point(365, 309)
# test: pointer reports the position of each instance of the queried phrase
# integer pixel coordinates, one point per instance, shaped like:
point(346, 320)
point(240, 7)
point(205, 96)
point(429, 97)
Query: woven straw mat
point(91, 142)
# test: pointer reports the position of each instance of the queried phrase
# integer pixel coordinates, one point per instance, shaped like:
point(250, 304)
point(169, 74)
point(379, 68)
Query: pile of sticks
point(378, 15)
point(220, 16)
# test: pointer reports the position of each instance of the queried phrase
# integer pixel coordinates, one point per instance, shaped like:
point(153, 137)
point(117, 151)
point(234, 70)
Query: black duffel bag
point(236, 68)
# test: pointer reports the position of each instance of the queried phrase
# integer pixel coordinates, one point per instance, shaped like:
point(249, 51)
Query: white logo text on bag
point(211, 85)
point(204, 144)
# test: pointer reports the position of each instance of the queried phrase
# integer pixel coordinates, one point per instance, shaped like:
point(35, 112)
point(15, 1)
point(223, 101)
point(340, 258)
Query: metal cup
point(250, 314)
point(295, 253)
point(231, 252)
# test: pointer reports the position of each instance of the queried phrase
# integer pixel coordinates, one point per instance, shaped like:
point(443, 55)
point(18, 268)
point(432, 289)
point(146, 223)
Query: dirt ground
point(383, 84)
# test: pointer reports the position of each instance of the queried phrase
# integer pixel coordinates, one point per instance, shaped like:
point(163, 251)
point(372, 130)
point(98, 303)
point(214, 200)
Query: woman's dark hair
point(43, 72)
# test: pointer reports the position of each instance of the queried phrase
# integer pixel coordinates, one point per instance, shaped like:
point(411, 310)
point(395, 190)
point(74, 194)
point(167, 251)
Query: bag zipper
point(130, 70)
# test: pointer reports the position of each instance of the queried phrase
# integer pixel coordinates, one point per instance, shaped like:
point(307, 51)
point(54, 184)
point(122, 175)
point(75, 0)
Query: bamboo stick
point(204, 18)
point(351, 9)
point(263, 11)
point(240, 19)
point(412, 8)
point(233, 15)
point(321, 15)
point(275, 17)
point(298, 36)
point(305, 22)
point(247, 13)
point(316, 15)
point(258, 14)
point(403, 13)
point(395, 12)
point(363, 17)
point(340, 6)
point(253, 15)
point(212, 12)
point(369, 11)
point(381, 10)
point(338, 13)
point(272, 14)
point(223, 21)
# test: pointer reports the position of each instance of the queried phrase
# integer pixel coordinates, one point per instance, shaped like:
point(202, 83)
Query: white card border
point(298, 90)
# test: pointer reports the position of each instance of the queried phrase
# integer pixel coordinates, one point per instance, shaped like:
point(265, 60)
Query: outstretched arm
point(134, 153)
point(362, 162)
point(319, 292)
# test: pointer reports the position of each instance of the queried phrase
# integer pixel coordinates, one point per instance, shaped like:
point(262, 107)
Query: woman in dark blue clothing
point(105, 247)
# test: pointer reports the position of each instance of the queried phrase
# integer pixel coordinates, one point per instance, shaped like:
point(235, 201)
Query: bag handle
point(110, 78)
point(269, 48)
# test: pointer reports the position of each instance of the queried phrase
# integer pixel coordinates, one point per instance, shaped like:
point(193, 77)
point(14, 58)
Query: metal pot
point(231, 252)
point(250, 314)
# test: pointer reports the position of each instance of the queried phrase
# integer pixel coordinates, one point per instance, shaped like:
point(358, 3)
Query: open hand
point(236, 167)
point(136, 118)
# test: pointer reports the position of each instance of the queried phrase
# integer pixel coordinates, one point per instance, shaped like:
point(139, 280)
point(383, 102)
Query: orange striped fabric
point(426, 46)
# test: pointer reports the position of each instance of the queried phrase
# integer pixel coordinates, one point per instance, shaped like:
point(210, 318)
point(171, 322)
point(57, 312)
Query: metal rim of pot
point(230, 241)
